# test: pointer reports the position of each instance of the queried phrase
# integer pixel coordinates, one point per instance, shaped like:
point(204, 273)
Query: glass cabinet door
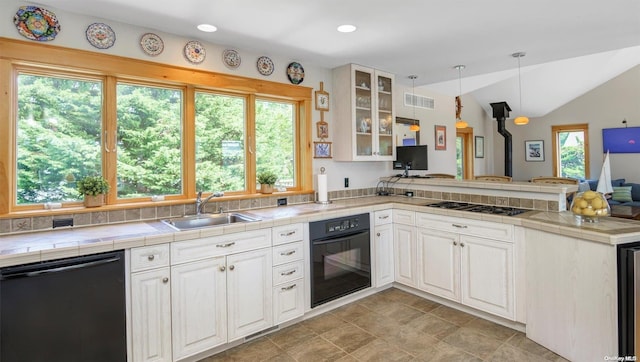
point(385, 116)
point(364, 114)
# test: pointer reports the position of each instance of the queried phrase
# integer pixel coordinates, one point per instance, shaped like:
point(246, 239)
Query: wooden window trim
point(467, 139)
point(555, 133)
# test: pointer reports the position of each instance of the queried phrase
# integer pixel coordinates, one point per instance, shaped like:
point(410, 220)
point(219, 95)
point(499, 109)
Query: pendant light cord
point(520, 82)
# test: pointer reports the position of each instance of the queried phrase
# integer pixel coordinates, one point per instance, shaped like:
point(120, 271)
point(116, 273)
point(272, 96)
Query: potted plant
point(267, 179)
point(93, 189)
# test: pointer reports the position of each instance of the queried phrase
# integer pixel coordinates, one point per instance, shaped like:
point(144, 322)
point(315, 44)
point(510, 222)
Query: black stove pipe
point(501, 113)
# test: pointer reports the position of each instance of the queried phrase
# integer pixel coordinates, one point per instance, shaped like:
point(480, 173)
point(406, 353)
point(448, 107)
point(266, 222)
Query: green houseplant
point(93, 189)
point(267, 179)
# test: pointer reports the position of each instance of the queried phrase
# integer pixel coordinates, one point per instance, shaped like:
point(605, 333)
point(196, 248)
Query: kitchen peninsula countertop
point(67, 242)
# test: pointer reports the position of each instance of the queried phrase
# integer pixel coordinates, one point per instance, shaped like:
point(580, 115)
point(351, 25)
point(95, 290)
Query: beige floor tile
point(380, 351)
point(400, 312)
point(490, 329)
point(316, 349)
point(291, 336)
point(375, 302)
point(521, 341)
point(454, 316)
point(410, 340)
point(473, 342)
point(376, 324)
point(444, 352)
point(261, 349)
point(434, 326)
point(508, 352)
point(400, 296)
point(350, 312)
point(349, 338)
point(323, 323)
point(424, 305)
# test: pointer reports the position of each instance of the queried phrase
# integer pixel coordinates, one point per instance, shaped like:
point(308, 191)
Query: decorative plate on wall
point(195, 52)
point(36, 23)
point(265, 65)
point(101, 35)
point(151, 44)
point(295, 73)
point(231, 58)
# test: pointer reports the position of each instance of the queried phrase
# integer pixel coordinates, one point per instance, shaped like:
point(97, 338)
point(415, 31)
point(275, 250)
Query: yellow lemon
point(588, 212)
point(597, 203)
point(589, 195)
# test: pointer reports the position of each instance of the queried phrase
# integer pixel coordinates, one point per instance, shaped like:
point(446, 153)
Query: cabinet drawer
point(287, 233)
point(198, 249)
point(404, 217)
point(382, 217)
point(288, 272)
point(287, 253)
point(288, 301)
point(149, 257)
point(485, 229)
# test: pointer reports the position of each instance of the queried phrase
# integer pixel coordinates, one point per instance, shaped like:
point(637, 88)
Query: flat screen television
point(411, 158)
point(621, 140)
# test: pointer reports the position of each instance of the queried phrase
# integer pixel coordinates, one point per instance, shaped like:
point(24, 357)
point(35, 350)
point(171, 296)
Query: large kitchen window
point(58, 134)
point(570, 144)
point(148, 128)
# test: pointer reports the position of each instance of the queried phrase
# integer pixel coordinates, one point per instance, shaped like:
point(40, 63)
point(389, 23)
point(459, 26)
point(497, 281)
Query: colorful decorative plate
point(194, 51)
point(295, 73)
point(36, 23)
point(151, 44)
point(265, 65)
point(231, 58)
point(101, 35)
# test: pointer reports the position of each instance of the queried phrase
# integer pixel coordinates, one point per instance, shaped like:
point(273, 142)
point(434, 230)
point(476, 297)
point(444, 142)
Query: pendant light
point(414, 127)
point(459, 122)
point(520, 120)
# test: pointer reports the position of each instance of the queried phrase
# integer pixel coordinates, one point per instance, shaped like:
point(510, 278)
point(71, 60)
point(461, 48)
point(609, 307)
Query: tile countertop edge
point(611, 231)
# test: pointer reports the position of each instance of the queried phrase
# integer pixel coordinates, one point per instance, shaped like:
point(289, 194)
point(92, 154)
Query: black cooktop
point(486, 209)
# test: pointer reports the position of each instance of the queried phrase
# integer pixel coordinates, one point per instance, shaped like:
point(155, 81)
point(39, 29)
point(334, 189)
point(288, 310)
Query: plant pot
point(266, 189)
point(93, 201)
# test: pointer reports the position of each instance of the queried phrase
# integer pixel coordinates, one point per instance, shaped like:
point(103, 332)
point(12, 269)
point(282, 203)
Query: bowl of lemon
point(589, 206)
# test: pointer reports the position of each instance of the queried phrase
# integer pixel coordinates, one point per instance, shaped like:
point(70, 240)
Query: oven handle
point(338, 239)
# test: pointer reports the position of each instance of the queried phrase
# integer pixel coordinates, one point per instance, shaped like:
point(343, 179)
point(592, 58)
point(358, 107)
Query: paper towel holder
point(322, 169)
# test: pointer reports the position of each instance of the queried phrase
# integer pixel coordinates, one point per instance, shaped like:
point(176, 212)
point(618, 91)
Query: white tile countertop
point(67, 242)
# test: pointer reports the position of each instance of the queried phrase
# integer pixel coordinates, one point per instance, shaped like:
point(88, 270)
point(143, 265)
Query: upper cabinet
point(364, 114)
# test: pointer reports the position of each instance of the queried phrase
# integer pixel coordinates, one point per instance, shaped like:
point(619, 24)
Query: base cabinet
point(404, 245)
point(439, 255)
point(383, 248)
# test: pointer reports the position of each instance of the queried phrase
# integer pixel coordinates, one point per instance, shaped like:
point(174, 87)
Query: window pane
point(58, 136)
point(275, 141)
point(149, 141)
point(572, 161)
point(220, 157)
point(459, 158)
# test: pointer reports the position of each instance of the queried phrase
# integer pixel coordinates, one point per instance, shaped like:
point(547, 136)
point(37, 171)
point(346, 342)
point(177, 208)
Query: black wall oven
point(628, 299)
point(340, 257)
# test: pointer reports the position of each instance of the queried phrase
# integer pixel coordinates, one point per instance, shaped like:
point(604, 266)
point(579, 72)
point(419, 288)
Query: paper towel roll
point(322, 188)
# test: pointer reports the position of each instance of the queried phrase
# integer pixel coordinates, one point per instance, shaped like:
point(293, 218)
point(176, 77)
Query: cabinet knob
point(231, 267)
point(455, 243)
point(378, 234)
point(165, 280)
point(462, 245)
point(151, 257)
point(222, 268)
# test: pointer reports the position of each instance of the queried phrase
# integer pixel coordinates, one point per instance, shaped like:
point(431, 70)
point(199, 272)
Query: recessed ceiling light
point(207, 28)
point(347, 28)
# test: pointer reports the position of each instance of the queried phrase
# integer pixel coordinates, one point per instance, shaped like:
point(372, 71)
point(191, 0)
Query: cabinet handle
point(462, 245)
point(231, 267)
point(226, 245)
point(459, 226)
point(289, 287)
point(287, 253)
point(383, 217)
point(289, 233)
point(165, 280)
point(151, 257)
point(455, 244)
point(222, 268)
point(289, 272)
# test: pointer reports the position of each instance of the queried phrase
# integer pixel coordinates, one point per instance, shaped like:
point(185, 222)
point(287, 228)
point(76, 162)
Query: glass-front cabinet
point(364, 114)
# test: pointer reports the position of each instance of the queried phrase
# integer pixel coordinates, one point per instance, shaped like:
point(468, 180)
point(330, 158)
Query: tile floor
point(391, 326)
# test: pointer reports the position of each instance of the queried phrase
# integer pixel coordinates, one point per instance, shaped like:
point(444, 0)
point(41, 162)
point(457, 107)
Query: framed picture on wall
point(322, 149)
point(441, 137)
point(534, 150)
point(479, 147)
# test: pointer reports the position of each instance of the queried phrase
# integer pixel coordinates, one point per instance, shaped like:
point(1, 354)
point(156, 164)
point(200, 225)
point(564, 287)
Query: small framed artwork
point(534, 150)
point(321, 149)
point(441, 137)
point(322, 100)
point(479, 147)
point(322, 128)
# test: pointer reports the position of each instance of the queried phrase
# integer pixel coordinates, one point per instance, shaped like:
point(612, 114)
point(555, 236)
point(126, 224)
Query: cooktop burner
point(486, 209)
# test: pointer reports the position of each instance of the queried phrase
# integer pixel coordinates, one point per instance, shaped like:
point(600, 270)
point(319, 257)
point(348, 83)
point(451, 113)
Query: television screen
point(411, 158)
point(621, 140)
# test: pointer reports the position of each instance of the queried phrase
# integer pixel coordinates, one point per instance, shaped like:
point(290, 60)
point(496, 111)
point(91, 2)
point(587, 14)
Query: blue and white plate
point(101, 35)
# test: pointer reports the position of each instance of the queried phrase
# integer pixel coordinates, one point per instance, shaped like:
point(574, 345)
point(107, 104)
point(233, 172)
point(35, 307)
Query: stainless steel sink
point(207, 220)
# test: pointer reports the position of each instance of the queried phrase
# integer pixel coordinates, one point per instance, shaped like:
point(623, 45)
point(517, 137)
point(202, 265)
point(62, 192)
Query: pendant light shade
point(414, 127)
point(520, 120)
point(459, 122)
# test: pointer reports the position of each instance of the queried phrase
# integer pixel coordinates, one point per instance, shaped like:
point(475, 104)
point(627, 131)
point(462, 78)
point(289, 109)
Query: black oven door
point(340, 266)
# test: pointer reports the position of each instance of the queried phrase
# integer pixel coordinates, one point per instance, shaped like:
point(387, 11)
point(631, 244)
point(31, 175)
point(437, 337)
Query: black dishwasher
point(64, 310)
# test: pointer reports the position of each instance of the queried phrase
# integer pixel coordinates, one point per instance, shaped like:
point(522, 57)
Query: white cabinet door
point(439, 263)
point(151, 315)
point(487, 275)
point(199, 309)
point(250, 294)
point(288, 301)
point(383, 248)
point(404, 245)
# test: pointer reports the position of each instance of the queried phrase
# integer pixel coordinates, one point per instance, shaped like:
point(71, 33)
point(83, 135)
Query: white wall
point(603, 107)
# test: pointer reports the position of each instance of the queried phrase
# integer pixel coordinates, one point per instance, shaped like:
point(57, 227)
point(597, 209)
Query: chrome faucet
point(200, 202)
